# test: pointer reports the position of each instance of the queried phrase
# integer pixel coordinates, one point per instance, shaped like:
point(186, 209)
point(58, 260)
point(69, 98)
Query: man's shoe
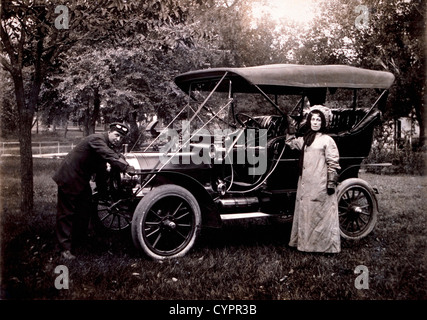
point(67, 255)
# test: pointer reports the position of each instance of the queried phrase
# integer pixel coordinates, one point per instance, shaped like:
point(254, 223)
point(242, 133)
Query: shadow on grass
point(246, 234)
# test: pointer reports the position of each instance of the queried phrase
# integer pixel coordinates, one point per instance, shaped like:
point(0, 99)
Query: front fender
point(208, 208)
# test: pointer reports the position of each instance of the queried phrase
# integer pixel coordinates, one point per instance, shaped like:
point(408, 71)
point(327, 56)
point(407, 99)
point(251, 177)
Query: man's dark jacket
point(88, 157)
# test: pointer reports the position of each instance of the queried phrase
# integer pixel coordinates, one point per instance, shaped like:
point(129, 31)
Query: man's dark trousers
point(73, 215)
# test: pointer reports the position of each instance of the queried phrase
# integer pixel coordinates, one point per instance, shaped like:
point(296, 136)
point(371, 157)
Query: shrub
point(405, 159)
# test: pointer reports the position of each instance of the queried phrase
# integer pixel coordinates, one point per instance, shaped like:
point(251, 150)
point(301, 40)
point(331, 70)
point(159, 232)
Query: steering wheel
point(244, 123)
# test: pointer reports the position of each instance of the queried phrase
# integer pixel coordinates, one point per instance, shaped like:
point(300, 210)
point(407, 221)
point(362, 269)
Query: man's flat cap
point(119, 127)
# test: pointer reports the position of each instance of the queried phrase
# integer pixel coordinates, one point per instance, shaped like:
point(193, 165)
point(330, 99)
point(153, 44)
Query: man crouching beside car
point(74, 191)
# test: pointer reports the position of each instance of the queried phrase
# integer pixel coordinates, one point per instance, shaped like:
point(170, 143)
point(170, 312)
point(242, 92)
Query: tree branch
point(21, 43)
point(6, 64)
point(7, 45)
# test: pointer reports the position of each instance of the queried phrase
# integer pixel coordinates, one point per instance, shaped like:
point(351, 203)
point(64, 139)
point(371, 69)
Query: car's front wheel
point(166, 222)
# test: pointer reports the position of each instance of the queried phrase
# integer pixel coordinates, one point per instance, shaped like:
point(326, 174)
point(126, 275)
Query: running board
point(247, 215)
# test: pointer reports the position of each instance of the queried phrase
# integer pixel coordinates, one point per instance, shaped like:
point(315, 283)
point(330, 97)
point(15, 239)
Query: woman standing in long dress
point(315, 226)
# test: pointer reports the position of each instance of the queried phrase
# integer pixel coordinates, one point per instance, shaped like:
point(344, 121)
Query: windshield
point(220, 108)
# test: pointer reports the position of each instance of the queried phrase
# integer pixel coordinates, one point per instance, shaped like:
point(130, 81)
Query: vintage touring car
point(224, 156)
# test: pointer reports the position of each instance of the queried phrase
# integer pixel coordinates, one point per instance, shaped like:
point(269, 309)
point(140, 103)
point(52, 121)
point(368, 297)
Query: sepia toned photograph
point(212, 157)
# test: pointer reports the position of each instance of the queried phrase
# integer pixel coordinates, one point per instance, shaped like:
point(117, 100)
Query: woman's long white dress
point(315, 226)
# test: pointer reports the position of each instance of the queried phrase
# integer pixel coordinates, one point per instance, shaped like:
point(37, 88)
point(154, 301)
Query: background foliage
point(126, 53)
point(117, 59)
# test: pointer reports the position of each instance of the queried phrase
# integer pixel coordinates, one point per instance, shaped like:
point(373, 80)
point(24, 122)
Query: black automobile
point(224, 156)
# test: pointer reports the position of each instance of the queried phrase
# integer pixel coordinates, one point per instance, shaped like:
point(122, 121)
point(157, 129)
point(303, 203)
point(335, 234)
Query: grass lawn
point(246, 260)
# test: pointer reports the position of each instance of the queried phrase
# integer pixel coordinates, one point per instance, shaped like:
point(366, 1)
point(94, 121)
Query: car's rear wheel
point(112, 215)
point(166, 222)
point(111, 210)
point(357, 208)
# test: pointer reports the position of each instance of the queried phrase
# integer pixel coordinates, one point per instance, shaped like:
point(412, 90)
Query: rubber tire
point(142, 210)
point(360, 184)
point(101, 228)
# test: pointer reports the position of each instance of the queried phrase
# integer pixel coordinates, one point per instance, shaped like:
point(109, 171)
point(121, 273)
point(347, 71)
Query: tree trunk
point(85, 123)
point(89, 118)
point(134, 131)
point(27, 183)
point(96, 109)
point(419, 113)
point(86, 120)
point(66, 127)
point(25, 124)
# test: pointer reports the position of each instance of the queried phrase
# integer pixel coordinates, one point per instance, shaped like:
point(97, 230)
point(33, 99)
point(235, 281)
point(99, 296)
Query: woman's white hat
point(325, 110)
